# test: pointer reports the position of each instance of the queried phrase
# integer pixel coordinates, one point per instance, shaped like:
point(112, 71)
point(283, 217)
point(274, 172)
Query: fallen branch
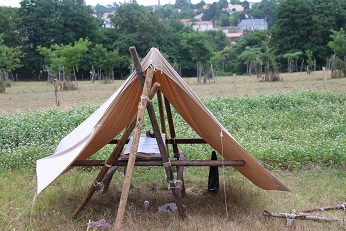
point(302, 216)
point(341, 206)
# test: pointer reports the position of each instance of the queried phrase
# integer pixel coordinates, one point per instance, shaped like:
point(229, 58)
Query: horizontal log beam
point(173, 141)
point(160, 163)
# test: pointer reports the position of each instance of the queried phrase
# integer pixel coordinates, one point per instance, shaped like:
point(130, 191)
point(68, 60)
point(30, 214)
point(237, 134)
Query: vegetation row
point(286, 131)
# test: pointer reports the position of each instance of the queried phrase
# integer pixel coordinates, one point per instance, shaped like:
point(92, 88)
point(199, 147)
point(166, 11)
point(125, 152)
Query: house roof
point(248, 22)
point(118, 111)
point(234, 35)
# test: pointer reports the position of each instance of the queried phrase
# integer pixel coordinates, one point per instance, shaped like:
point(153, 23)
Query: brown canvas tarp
point(118, 111)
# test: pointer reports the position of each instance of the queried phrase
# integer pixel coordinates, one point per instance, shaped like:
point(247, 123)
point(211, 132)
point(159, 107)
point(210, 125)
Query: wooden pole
point(180, 176)
point(57, 100)
point(179, 162)
point(112, 158)
point(109, 175)
point(163, 151)
point(162, 115)
point(166, 162)
point(171, 127)
point(131, 162)
point(108, 163)
point(324, 79)
point(174, 140)
point(168, 170)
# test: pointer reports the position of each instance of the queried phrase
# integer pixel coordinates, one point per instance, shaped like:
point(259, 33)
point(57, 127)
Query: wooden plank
point(174, 141)
point(90, 163)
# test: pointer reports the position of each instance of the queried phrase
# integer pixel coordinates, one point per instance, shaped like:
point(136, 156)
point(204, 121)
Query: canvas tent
point(119, 110)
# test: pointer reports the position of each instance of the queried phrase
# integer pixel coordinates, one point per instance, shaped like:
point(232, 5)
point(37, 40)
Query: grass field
point(38, 95)
point(297, 134)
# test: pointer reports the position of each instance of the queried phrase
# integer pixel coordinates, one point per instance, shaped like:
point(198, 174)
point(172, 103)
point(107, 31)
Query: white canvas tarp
point(113, 116)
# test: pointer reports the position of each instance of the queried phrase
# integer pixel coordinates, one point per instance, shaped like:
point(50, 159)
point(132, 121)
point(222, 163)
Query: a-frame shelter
point(117, 115)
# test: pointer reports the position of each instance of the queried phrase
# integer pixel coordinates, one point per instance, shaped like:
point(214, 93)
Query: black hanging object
point(150, 134)
point(213, 181)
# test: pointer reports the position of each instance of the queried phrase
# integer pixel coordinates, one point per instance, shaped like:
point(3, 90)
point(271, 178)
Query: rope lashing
point(108, 165)
point(98, 185)
point(167, 164)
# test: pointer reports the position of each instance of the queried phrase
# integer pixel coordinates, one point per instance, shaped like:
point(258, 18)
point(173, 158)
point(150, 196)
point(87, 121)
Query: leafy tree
point(253, 39)
point(222, 4)
point(268, 57)
point(338, 42)
point(9, 57)
point(65, 58)
point(210, 13)
point(9, 61)
point(167, 11)
point(107, 60)
point(200, 49)
point(266, 10)
point(292, 60)
point(9, 26)
point(182, 4)
point(235, 2)
point(217, 39)
point(309, 61)
point(245, 4)
point(47, 22)
point(306, 25)
point(338, 46)
point(252, 57)
point(137, 25)
point(200, 4)
point(235, 18)
point(224, 59)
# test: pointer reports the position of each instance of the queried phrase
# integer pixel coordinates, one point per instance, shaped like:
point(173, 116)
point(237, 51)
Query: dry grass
point(245, 202)
point(38, 95)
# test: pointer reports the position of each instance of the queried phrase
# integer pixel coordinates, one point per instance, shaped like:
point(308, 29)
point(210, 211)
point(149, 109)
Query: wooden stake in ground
point(324, 78)
point(57, 100)
point(132, 158)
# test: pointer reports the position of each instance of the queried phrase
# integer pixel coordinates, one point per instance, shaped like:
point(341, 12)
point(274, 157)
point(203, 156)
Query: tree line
point(51, 36)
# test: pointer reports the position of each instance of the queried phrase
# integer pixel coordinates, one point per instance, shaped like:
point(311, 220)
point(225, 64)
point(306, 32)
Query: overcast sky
point(15, 3)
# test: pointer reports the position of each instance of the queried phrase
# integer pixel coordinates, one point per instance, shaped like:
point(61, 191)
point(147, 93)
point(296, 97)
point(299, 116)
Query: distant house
point(107, 15)
point(206, 7)
point(227, 29)
point(107, 23)
point(252, 24)
point(234, 37)
point(199, 17)
point(198, 25)
point(233, 8)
